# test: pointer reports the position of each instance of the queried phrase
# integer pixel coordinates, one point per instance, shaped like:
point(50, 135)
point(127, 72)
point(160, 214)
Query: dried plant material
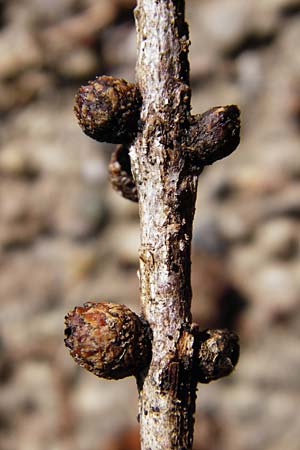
point(108, 109)
point(218, 354)
point(107, 339)
point(120, 173)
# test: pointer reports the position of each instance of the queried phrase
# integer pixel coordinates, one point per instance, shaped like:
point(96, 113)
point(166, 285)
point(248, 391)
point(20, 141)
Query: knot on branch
point(112, 342)
point(108, 109)
point(107, 339)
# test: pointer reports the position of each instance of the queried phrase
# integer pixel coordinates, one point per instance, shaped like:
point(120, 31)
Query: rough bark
point(167, 191)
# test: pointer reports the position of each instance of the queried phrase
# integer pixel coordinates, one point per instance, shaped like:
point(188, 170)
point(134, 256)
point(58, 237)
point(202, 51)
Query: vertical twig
point(168, 148)
point(167, 193)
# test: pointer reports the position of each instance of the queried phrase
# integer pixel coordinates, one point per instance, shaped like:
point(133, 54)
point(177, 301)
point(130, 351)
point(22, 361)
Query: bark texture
point(167, 191)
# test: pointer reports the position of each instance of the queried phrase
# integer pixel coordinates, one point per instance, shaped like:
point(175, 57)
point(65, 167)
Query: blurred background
point(66, 237)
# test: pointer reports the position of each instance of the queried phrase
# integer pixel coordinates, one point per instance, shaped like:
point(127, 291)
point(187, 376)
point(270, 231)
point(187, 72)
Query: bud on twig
point(213, 135)
point(218, 354)
point(108, 109)
point(112, 342)
point(108, 339)
point(120, 173)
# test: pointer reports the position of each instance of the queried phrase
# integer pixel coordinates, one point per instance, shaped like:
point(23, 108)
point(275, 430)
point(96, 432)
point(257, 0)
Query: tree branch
point(167, 194)
point(168, 148)
point(167, 183)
